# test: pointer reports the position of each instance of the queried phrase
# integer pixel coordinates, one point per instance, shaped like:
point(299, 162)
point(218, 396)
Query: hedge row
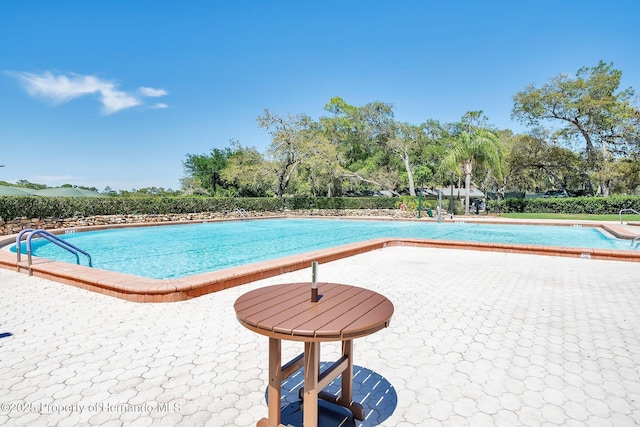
point(13, 207)
point(571, 205)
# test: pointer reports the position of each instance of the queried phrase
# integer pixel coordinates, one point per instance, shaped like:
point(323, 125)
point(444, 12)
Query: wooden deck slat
point(368, 323)
point(314, 316)
point(274, 304)
point(268, 302)
point(351, 322)
point(287, 311)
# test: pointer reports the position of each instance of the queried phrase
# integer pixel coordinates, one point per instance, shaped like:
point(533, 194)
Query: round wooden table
point(286, 312)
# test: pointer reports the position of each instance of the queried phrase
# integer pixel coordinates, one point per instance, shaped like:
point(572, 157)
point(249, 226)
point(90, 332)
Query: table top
point(285, 311)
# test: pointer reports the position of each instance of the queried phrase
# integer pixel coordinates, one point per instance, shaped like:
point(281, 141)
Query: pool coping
point(141, 289)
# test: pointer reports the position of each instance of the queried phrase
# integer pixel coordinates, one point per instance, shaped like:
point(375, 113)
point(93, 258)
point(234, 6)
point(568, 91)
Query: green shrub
point(412, 203)
point(13, 207)
point(570, 205)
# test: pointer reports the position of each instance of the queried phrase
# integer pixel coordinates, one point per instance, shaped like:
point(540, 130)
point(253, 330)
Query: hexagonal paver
point(477, 338)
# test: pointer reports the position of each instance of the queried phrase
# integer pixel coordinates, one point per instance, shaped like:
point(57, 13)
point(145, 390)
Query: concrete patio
point(477, 338)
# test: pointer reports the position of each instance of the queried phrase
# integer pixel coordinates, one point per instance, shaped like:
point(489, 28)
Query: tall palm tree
point(471, 148)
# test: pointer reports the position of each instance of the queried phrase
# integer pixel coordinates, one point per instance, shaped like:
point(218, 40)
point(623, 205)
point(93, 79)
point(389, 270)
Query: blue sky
point(116, 93)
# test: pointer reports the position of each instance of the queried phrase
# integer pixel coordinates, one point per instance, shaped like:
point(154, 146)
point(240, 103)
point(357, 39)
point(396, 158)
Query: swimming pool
point(176, 251)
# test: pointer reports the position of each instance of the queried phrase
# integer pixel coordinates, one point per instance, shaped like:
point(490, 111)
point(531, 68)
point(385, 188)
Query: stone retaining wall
point(17, 225)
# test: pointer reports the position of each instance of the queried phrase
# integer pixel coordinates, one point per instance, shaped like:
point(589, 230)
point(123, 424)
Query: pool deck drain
point(140, 289)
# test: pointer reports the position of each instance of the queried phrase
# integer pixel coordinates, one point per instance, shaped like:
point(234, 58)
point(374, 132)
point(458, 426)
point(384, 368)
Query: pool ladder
point(627, 210)
point(636, 240)
point(50, 237)
point(243, 214)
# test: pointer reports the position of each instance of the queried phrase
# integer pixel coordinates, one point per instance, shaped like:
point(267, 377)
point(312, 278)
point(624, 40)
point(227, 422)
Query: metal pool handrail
point(243, 214)
point(19, 239)
point(627, 210)
point(53, 239)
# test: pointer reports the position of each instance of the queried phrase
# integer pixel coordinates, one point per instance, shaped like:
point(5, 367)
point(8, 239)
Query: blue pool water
point(163, 252)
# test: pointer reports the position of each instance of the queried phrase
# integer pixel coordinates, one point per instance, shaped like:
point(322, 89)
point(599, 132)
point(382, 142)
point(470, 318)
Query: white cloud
point(63, 88)
point(160, 105)
point(59, 88)
point(115, 100)
point(149, 91)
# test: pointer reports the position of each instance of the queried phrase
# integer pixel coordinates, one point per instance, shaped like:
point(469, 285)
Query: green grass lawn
point(608, 217)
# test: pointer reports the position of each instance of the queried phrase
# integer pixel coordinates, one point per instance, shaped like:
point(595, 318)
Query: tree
point(247, 173)
point(590, 108)
point(109, 191)
point(628, 172)
point(473, 147)
point(323, 166)
point(535, 162)
point(359, 131)
point(405, 142)
point(361, 135)
point(431, 150)
point(290, 144)
point(205, 169)
point(26, 184)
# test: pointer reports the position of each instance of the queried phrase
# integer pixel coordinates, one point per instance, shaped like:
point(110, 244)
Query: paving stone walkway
point(477, 339)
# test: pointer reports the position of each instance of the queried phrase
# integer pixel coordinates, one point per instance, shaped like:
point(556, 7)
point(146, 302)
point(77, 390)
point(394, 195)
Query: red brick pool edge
point(141, 289)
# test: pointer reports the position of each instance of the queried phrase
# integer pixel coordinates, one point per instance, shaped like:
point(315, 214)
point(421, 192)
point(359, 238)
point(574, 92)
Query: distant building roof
point(474, 193)
point(6, 190)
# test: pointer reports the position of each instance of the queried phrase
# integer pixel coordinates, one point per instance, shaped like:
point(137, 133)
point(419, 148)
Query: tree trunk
point(556, 180)
point(468, 168)
point(407, 166)
point(284, 177)
point(605, 187)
